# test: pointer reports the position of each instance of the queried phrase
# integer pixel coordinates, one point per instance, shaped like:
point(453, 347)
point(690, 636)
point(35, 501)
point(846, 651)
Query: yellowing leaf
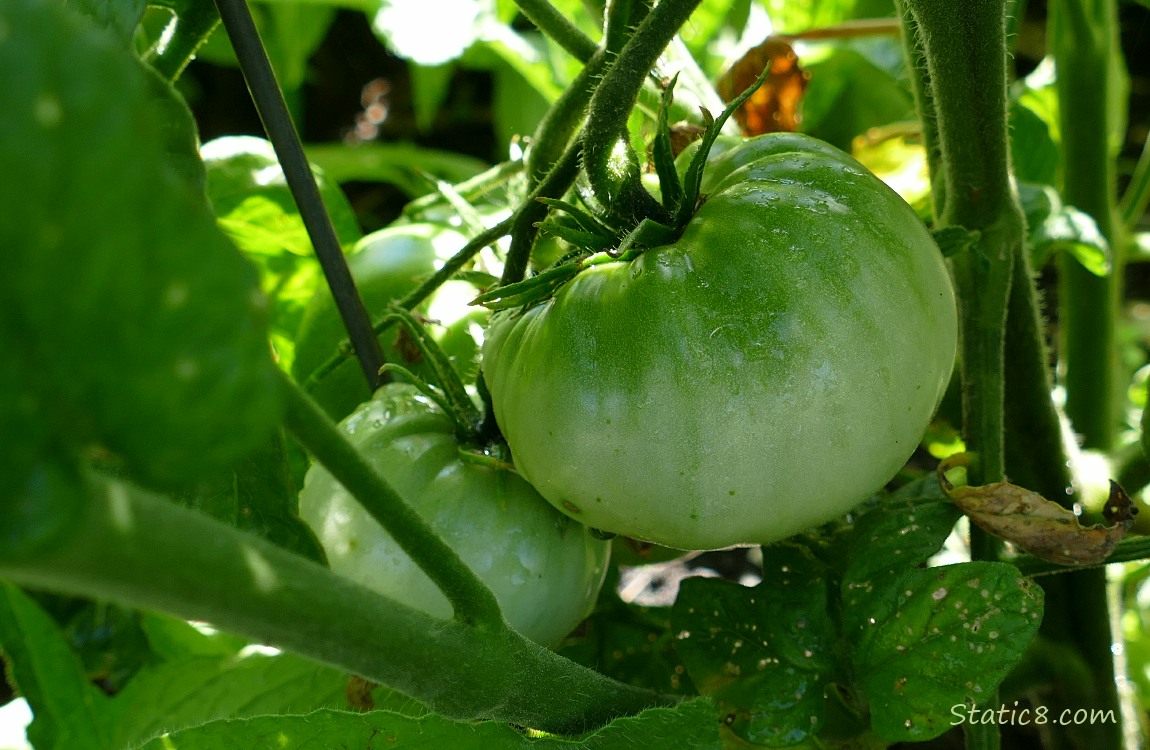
point(1036, 525)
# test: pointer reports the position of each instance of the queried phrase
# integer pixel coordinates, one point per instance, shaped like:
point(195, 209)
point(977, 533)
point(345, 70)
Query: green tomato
point(386, 265)
point(545, 569)
point(761, 375)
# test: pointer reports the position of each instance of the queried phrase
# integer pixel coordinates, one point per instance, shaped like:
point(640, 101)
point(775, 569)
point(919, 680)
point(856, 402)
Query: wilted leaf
point(774, 107)
point(1036, 525)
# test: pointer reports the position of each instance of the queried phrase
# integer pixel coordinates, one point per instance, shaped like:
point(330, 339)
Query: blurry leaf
point(70, 713)
point(714, 26)
point(117, 16)
point(788, 17)
point(107, 639)
point(1053, 227)
point(430, 85)
point(192, 24)
point(255, 207)
point(193, 691)
point(688, 725)
point(398, 164)
point(1036, 525)
point(766, 653)
point(291, 32)
point(174, 639)
point(774, 106)
point(259, 496)
point(145, 327)
point(1033, 151)
point(848, 94)
point(402, 25)
point(891, 153)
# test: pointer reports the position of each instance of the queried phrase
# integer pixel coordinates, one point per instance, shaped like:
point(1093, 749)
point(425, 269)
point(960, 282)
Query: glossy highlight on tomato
point(761, 375)
point(544, 569)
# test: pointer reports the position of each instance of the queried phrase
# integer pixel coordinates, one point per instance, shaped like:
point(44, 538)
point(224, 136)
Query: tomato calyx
point(601, 234)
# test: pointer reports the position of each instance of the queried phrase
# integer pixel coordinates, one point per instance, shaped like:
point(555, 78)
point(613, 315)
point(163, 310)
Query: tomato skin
point(386, 265)
point(545, 569)
point(761, 375)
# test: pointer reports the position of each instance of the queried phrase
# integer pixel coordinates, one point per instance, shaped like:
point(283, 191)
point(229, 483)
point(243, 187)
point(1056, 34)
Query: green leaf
point(117, 16)
point(791, 17)
point(849, 94)
point(70, 713)
point(143, 326)
point(171, 638)
point(632, 644)
point(1054, 227)
point(256, 209)
point(1033, 152)
point(925, 641)
point(193, 22)
point(259, 496)
point(193, 691)
point(900, 531)
point(399, 164)
point(954, 239)
point(430, 85)
point(689, 725)
point(764, 653)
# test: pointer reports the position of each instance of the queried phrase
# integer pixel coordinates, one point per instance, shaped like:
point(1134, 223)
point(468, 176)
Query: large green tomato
point(386, 265)
point(545, 569)
point(761, 375)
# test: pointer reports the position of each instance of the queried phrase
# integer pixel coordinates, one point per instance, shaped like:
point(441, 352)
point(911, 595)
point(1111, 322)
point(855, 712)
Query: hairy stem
point(142, 551)
point(554, 25)
point(611, 105)
point(472, 601)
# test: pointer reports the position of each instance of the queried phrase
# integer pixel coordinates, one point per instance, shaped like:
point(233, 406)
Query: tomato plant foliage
point(193, 554)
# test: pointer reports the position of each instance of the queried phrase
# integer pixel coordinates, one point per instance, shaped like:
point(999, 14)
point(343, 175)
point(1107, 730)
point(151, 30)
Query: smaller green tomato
point(544, 568)
point(386, 265)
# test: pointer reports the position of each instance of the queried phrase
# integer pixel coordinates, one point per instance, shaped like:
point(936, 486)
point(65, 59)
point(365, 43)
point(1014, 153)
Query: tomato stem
point(273, 112)
point(555, 25)
point(611, 105)
point(472, 601)
point(1082, 34)
point(145, 552)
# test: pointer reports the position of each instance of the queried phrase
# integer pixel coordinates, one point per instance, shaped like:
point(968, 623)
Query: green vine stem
point(619, 187)
point(273, 112)
point(145, 552)
point(473, 602)
point(555, 25)
point(1082, 38)
point(967, 136)
point(563, 120)
point(968, 115)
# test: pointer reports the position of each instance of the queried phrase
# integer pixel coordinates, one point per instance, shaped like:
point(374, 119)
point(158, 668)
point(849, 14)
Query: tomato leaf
point(924, 641)
point(118, 16)
point(194, 23)
point(687, 725)
point(70, 712)
point(143, 325)
point(1054, 227)
point(195, 690)
point(902, 622)
point(259, 496)
point(764, 653)
point(632, 644)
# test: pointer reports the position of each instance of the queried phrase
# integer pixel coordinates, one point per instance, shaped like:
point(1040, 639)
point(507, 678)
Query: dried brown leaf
point(775, 106)
point(1036, 525)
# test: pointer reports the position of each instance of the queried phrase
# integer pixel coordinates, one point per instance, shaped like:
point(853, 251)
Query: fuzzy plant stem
point(959, 66)
point(145, 552)
point(610, 107)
